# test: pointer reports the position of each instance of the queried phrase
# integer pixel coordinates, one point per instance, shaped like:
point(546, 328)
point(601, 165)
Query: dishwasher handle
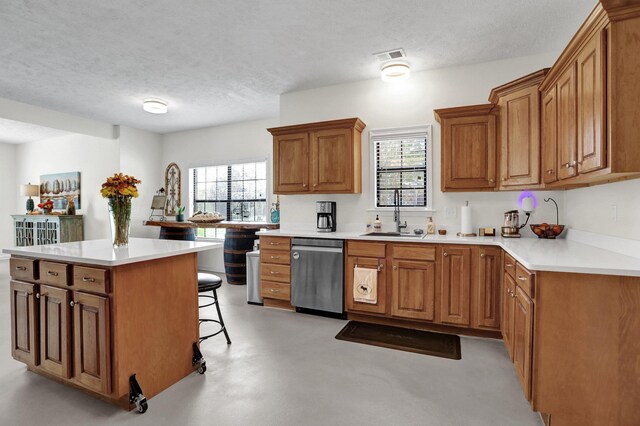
point(316, 249)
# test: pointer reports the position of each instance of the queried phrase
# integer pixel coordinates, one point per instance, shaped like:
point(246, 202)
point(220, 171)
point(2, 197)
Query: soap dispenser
point(377, 225)
point(431, 227)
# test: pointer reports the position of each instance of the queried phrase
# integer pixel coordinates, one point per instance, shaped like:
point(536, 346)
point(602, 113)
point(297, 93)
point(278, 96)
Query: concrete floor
point(285, 368)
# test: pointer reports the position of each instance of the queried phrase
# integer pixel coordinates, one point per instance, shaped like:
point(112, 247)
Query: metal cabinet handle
point(275, 257)
point(37, 295)
point(88, 280)
point(491, 180)
point(504, 179)
point(395, 267)
point(52, 273)
point(21, 268)
point(481, 254)
point(509, 265)
point(304, 185)
point(275, 273)
point(380, 266)
point(273, 290)
point(521, 278)
point(72, 303)
point(445, 254)
point(550, 171)
point(315, 184)
point(274, 244)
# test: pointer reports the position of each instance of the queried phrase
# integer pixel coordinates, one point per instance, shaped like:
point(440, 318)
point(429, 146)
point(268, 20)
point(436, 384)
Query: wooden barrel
point(171, 233)
point(237, 242)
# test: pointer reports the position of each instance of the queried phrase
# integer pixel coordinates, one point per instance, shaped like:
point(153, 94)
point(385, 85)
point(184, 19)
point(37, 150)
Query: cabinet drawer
point(273, 272)
point(510, 265)
point(275, 256)
point(93, 280)
point(273, 290)
point(275, 243)
point(414, 252)
point(360, 248)
point(23, 269)
point(54, 273)
point(525, 279)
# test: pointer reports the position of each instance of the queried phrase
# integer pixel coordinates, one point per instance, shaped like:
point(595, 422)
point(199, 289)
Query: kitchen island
point(121, 324)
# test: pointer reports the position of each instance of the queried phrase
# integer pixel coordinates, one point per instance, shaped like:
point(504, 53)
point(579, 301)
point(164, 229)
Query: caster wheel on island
point(202, 368)
point(142, 406)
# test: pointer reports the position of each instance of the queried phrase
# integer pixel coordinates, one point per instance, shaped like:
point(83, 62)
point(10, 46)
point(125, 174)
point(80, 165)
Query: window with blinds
point(403, 163)
point(237, 191)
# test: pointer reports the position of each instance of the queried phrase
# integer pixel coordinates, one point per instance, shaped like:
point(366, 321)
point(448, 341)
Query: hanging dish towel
point(365, 285)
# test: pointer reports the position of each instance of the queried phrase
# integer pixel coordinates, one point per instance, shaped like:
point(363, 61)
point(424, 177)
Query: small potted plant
point(47, 206)
point(180, 215)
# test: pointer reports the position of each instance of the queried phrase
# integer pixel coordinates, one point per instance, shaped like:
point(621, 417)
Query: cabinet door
point(456, 283)
point(487, 310)
point(413, 289)
point(469, 153)
point(590, 96)
point(372, 263)
point(567, 142)
point(24, 323)
point(522, 339)
point(332, 160)
point(520, 138)
point(92, 363)
point(550, 136)
point(508, 305)
point(291, 163)
point(55, 331)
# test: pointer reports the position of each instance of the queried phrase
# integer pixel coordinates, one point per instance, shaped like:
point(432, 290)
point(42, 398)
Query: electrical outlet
point(614, 213)
point(450, 212)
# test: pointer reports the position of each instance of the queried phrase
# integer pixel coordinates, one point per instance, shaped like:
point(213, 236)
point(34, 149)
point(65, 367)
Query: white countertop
point(101, 252)
point(559, 255)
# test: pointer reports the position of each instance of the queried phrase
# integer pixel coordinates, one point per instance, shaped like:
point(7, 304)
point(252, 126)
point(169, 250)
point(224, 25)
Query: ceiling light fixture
point(155, 106)
point(395, 71)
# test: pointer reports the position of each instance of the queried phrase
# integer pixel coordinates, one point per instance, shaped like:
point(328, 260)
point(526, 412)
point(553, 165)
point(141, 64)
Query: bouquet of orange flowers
point(120, 185)
point(120, 189)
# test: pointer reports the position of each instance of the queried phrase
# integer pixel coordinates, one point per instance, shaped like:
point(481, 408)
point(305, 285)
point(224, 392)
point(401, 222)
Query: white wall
point(590, 209)
point(217, 145)
point(141, 156)
point(95, 158)
point(136, 152)
point(383, 105)
point(12, 202)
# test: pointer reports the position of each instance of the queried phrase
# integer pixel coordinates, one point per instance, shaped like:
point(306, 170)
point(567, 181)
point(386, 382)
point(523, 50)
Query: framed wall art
point(172, 188)
point(59, 187)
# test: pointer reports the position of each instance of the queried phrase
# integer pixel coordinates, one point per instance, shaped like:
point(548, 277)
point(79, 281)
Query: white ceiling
point(221, 61)
point(18, 132)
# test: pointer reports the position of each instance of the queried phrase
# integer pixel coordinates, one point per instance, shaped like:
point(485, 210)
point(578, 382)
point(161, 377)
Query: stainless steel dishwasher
point(317, 274)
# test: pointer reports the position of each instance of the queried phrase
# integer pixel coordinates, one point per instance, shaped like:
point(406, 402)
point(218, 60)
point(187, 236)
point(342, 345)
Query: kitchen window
point(237, 191)
point(402, 161)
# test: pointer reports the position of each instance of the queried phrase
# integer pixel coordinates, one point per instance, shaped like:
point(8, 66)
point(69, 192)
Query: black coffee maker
point(326, 220)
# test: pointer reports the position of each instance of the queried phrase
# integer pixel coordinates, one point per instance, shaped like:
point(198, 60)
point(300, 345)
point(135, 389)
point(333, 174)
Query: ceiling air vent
point(390, 55)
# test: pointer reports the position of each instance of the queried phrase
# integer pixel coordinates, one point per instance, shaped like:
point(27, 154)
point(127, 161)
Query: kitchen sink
point(391, 234)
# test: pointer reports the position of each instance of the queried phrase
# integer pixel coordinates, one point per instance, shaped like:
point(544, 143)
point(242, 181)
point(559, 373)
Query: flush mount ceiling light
point(395, 71)
point(155, 106)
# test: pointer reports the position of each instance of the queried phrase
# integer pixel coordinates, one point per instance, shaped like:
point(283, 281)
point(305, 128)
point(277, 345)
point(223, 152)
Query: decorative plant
point(47, 206)
point(120, 189)
point(181, 210)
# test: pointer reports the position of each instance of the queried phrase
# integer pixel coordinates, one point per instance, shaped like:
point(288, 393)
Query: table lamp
point(29, 190)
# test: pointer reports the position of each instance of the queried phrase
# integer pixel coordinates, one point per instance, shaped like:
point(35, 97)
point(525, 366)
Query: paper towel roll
point(465, 222)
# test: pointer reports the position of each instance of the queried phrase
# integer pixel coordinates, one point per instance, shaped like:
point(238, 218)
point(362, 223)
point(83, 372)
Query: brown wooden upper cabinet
point(518, 104)
point(323, 158)
point(596, 89)
point(468, 143)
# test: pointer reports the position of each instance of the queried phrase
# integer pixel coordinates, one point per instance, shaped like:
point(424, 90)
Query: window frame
point(191, 183)
point(419, 131)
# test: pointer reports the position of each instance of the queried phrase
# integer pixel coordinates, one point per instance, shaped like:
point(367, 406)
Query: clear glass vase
point(120, 214)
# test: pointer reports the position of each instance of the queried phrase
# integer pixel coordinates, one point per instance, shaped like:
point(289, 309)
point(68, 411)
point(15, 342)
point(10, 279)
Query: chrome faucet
point(396, 212)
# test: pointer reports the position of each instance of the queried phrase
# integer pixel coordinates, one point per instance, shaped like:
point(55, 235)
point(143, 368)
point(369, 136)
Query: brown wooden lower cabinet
point(145, 325)
point(413, 289)
point(55, 331)
point(24, 323)
point(489, 270)
point(508, 306)
point(456, 285)
point(92, 352)
point(523, 339)
point(375, 263)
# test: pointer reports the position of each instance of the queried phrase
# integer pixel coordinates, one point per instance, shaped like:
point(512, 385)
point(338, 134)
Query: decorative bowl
point(548, 231)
